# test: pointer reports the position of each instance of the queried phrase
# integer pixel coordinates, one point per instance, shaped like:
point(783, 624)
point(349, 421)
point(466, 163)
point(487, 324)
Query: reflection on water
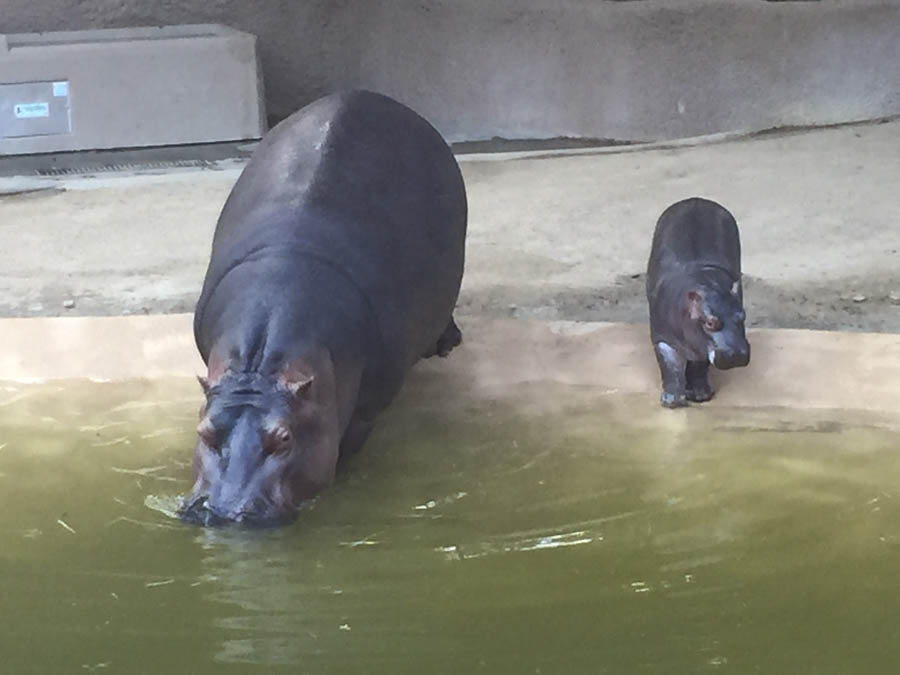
point(551, 531)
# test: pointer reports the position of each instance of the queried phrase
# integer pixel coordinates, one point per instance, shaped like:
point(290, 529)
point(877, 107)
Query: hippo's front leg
point(672, 366)
point(355, 435)
point(698, 387)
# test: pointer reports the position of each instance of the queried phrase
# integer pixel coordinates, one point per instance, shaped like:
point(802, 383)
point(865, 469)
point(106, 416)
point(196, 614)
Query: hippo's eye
point(207, 434)
point(279, 440)
point(712, 324)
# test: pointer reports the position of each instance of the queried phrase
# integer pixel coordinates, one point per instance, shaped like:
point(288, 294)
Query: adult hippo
point(336, 264)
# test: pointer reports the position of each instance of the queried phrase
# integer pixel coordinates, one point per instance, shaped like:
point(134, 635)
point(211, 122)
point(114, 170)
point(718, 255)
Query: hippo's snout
point(731, 358)
point(729, 349)
point(200, 511)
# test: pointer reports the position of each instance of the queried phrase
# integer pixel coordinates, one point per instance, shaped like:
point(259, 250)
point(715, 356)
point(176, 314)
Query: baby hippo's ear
point(695, 304)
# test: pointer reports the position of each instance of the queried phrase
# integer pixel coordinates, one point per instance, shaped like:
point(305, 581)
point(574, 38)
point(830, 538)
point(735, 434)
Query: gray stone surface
point(643, 70)
point(562, 237)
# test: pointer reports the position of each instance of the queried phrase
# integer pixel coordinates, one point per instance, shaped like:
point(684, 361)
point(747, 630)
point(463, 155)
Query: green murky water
point(563, 533)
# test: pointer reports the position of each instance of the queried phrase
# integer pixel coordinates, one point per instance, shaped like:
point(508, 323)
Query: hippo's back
point(693, 233)
point(368, 186)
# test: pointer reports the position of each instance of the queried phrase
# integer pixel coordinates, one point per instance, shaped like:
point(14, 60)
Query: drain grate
point(127, 166)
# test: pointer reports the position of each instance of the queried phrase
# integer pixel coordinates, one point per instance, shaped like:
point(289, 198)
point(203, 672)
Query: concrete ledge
point(790, 368)
point(100, 348)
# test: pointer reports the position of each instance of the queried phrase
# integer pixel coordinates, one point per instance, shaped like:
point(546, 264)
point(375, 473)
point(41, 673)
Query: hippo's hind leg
point(450, 338)
point(698, 387)
point(672, 366)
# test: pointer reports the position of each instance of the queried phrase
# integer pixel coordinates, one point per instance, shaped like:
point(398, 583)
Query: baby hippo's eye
point(712, 324)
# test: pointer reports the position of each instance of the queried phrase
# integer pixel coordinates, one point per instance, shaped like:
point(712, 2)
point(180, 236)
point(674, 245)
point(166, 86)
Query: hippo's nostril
point(200, 512)
point(198, 503)
point(191, 506)
point(253, 511)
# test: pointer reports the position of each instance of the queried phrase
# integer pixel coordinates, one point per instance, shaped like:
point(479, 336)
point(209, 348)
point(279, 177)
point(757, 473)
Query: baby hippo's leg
point(698, 387)
point(672, 367)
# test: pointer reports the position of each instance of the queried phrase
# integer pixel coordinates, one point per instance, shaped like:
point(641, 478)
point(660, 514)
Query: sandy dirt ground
point(558, 235)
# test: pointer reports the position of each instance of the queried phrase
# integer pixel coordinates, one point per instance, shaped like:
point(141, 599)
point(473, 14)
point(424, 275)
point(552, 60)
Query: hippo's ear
point(695, 304)
point(296, 382)
point(204, 382)
point(300, 387)
point(214, 375)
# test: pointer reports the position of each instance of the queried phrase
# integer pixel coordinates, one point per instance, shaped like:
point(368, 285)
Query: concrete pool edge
point(790, 368)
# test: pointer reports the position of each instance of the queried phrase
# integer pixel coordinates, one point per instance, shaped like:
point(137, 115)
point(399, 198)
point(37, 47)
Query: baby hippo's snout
point(735, 359)
point(729, 352)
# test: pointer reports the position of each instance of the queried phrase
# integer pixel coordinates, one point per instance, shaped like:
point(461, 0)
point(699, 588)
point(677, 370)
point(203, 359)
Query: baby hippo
point(696, 301)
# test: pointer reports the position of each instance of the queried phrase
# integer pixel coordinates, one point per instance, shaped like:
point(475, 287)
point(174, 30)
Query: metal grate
point(127, 166)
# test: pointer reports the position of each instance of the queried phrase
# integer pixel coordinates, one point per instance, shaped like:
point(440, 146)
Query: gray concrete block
point(133, 87)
